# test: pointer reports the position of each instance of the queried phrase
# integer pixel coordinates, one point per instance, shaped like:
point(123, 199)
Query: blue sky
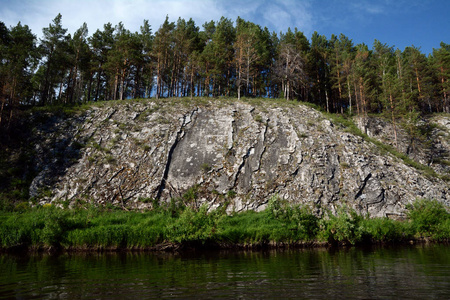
point(399, 23)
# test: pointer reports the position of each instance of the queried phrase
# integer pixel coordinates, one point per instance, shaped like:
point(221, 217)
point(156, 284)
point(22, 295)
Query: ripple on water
point(406, 272)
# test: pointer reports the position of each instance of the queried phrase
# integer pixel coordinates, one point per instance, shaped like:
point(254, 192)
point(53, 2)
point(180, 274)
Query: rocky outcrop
point(238, 154)
point(430, 146)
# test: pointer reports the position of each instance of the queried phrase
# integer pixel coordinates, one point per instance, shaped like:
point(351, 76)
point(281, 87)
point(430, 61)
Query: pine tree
point(101, 42)
point(319, 70)
point(348, 57)
point(218, 58)
point(383, 58)
point(21, 58)
point(162, 52)
point(289, 68)
point(54, 49)
point(341, 65)
point(441, 64)
point(146, 63)
point(245, 53)
point(4, 43)
point(418, 74)
point(263, 65)
point(121, 61)
point(185, 37)
point(80, 56)
point(362, 73)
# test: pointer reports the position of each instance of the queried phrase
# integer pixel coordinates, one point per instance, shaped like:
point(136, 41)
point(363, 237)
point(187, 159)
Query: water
point(415, 272)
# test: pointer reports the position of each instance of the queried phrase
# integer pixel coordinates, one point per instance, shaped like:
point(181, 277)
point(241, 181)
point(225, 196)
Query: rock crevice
point(237, 152)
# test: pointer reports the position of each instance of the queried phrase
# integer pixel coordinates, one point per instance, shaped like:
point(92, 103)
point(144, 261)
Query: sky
point(398, 23)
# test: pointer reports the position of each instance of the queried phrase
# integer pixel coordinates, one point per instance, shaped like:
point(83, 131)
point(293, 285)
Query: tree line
point(223, 58)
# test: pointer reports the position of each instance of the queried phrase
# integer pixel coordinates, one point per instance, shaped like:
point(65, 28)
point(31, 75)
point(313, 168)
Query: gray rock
point(236, 154)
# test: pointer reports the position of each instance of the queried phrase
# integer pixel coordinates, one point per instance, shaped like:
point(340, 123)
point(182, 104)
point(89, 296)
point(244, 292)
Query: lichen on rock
point(238, 154)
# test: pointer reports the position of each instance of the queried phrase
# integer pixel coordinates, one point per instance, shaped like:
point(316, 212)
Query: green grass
point(93, 228)
point(351, 127)
point(97, 228)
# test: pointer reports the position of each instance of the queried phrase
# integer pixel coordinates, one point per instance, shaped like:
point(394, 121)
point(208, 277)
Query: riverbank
point(175, 227)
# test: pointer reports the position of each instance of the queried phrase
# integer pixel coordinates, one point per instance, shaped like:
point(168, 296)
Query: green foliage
point(351, 127)
point(429, 218)
point(206, 167)
point(190, 196)
point(343, 227)
point(258, 118)
point(248, 227)
point(384, 230)
point(192, 226)
point(110, 159)
point(231, 194)
point(300, 220)
point(93, 227)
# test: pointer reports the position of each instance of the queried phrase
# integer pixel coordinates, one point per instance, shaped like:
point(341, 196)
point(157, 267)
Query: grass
point(92, 227)
point(166, 103)
point(353, 129)
point(98, 228)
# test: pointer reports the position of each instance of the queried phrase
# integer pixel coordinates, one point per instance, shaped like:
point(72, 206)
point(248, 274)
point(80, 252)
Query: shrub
point(193, 226)
point(343, 227)
point(384, 230)
point(298, 219)
point(428, 217)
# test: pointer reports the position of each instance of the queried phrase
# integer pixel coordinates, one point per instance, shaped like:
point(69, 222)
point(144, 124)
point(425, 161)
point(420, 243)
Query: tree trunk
point(74, 80)
point(69, 89)
point(89, 88)
point(358, 109)
point(1, 112)
point(349, 95)
point(362, 96)
point(158, 78)
point(393, 118)
point(418, 84)
point(11, 102)
point(60, 91)
point(239, 82)
point(116, 83)
point(192, 83)
point(97, 91)
point(248, 75)
point(445, 108)
point(44, 96)
point(339, 83)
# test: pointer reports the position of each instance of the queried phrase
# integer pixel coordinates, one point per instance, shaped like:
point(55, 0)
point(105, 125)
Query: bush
point(50, 226)
point(193, 226)
point(428, 217)
point(343, 227)
point(384, 230)
point(299, 220)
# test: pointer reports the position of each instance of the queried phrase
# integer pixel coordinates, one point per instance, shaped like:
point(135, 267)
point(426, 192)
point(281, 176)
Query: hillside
point(238, 154)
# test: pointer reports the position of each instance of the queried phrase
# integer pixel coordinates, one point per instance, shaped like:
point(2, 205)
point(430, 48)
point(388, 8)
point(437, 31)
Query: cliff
point(135, 154)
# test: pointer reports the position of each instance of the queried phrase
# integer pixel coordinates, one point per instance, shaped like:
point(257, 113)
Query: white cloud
point(363, 7)
point(277, 15)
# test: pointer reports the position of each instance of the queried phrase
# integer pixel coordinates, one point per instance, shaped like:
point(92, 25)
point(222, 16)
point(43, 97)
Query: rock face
point(431, 149)
point(232, 153)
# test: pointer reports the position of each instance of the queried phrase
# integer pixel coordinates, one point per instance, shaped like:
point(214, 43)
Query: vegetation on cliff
point(66, 74)
point(92, 149)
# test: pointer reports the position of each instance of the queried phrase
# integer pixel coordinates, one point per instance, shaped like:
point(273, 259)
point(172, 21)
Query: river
point(407, 272)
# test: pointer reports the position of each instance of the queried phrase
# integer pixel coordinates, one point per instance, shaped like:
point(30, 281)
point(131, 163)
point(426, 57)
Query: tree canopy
point(221, 58)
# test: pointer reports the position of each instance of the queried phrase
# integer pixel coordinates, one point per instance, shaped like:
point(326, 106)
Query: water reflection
point(406, 272)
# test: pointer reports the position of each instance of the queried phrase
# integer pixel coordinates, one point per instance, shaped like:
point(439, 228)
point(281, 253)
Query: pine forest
point(222, 58)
